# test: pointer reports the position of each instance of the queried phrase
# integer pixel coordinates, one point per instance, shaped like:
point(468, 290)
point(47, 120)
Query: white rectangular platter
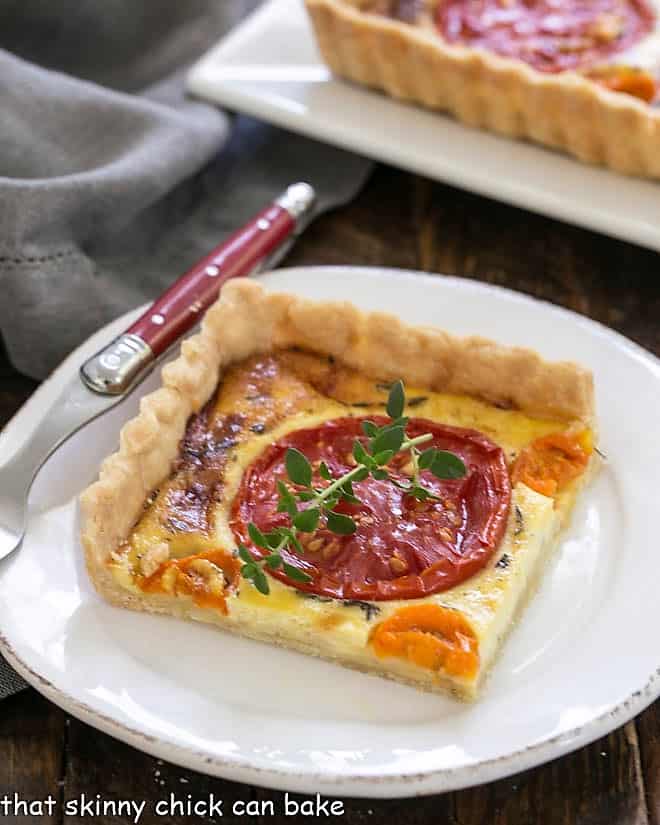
point(269, 68)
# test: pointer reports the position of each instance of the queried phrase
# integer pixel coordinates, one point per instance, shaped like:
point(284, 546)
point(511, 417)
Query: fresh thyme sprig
point(371, 459)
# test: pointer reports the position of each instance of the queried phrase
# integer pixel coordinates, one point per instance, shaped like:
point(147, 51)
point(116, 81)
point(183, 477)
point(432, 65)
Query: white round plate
point(578, 664)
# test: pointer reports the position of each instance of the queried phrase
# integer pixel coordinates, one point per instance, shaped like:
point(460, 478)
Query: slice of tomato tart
point(343, 485)
point(576, 75)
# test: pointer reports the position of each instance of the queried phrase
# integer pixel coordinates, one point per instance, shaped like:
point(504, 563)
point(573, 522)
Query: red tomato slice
point(551, 36)
point(403, 548)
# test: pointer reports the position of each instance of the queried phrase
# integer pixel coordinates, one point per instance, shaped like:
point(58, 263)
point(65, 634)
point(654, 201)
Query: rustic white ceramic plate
point(269, 68)
point(579, 663)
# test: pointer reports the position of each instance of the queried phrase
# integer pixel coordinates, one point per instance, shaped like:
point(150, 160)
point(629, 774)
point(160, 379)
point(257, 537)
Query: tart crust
point(247, 320)
point(564, 111)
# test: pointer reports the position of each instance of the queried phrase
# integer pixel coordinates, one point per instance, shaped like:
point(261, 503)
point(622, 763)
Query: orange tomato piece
point(550, 463)
point(187, 581)
point(430, 636)
point(635, 82)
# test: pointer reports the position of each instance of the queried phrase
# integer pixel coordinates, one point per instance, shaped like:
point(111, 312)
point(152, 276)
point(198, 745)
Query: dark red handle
point(178, 309)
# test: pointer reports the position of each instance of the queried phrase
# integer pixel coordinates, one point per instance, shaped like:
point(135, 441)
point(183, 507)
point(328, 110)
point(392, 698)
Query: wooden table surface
point(403, 221)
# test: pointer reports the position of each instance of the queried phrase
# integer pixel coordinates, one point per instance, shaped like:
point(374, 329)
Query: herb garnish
point(371, 459)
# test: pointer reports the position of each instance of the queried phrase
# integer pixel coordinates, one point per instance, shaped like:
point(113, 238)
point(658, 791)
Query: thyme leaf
point(298, 467)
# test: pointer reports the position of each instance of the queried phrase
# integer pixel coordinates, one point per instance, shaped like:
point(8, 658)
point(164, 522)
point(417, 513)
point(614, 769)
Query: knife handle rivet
point(157, 319)
point(212, 271)
point(263, 224)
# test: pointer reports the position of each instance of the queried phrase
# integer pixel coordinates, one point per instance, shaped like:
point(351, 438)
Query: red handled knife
point(255, 247)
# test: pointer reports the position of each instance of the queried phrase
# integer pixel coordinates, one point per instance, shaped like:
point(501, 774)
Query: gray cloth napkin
point(104, 163)
point(111, 183)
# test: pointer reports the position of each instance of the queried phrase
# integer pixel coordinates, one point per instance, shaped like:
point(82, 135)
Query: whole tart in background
point(577, 75)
